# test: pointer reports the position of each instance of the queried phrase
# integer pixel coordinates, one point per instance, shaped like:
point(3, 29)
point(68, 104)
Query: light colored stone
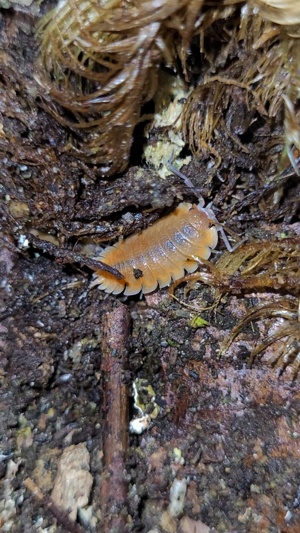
point(73, 481)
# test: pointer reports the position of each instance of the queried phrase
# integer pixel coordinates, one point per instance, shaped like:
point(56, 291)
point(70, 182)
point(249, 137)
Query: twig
point(66, 256)
point(114, 486)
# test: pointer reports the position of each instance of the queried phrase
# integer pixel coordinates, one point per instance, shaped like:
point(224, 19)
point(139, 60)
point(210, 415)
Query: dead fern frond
point(259, 266)
point(264, 74)
point(289, 330)
point(280, 11)
point(99, 63)
point(262, 265)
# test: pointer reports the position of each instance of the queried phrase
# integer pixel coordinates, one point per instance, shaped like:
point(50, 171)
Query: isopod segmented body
point(161, 253)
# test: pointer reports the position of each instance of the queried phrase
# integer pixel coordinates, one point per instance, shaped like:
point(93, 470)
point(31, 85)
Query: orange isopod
point(161, 253)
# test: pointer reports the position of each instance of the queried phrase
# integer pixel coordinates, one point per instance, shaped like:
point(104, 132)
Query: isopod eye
point(137, 273)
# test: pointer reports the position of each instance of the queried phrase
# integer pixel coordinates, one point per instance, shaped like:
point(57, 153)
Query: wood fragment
point(114, 485)
point(66, 256)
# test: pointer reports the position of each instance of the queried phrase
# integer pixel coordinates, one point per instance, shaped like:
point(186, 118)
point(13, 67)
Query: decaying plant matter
point(99, 63)
point(272, 265)
point(265, 75)
point(280, 11)
point(262, 265)
point(289, 329)
point(258, 265)
point(102, 60)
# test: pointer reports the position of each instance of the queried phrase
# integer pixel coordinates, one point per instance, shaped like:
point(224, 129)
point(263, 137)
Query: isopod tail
point(108, 283)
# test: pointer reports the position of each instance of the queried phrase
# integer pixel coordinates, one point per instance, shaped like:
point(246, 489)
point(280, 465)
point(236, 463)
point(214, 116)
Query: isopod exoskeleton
point(161, 253)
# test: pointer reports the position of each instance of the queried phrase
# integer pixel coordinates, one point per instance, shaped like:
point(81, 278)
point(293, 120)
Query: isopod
point(161, 253)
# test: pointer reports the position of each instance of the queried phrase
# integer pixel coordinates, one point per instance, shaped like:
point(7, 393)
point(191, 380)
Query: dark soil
point(232, 431)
